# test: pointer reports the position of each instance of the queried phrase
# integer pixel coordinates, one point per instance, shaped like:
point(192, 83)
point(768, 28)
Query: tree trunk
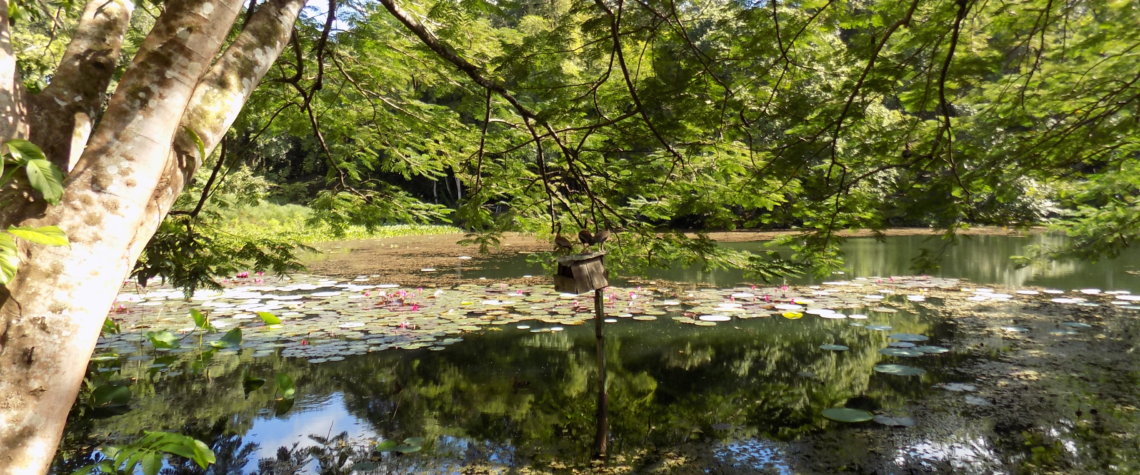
point(134, 165)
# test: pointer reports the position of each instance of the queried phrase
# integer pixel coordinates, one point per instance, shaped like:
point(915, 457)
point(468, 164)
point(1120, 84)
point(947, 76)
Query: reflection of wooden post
point(601, 435)
point(580, 273)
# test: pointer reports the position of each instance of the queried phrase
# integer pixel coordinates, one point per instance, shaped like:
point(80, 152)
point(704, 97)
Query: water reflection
point(980, 259)
point(514, 398)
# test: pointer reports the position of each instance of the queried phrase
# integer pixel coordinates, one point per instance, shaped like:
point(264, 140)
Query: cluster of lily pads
point(325, 319)
point(913, 345)
point(322, 320)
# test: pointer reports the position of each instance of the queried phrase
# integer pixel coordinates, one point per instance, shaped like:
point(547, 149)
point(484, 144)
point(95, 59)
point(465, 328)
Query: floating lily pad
point(899, 370)
point(792, 315)
point(1015, 329)
point(901, 344)
point(908, 337)
point(932, 350)
point(714, 318)
point(1076, 325)
point(846, 414)
point(895, 421)
point(881, 328)
point(832, 347)
point(907, 352)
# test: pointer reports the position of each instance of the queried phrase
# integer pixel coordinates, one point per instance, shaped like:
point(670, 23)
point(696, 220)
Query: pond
point(486, 377)
point(982, 259)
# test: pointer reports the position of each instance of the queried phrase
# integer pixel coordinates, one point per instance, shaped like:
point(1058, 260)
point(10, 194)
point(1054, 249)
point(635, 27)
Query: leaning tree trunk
point(123, 183)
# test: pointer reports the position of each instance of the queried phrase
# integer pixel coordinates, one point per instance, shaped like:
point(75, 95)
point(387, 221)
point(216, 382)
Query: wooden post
point(601, 435)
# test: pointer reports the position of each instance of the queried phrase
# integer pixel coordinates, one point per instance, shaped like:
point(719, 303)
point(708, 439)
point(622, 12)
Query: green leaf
point(151, 463)
point(197, 142)
point(45, 178)
point(46, 235)
point(177, 444)
point(285, 386)
point(199, 318)
point(269, 318)
point(250, 384)
point(162, 339)
point(231, 339)
point(23, 151)
point(110, 394)
point(110, 327)
point(9, 259)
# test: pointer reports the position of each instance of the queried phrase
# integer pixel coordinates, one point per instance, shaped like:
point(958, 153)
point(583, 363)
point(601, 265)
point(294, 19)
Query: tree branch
point(65, 111)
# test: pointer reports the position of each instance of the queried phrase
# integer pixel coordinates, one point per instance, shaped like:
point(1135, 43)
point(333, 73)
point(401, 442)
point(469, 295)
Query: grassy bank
point(267, 219)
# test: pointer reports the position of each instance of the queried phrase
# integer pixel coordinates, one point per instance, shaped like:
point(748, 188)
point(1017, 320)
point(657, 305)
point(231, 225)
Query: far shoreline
point(407, 259)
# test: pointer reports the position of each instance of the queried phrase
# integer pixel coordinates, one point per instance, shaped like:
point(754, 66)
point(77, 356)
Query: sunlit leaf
point(9, 258)
point(162, 339)
point(23, 151)
point(269, 318)
point(199, 318)
point(45, 178)
point(285, 387)
point(232, 339)
point(46, 235)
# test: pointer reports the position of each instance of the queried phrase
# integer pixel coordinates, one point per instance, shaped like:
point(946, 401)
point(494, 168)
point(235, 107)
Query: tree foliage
point(643, 115)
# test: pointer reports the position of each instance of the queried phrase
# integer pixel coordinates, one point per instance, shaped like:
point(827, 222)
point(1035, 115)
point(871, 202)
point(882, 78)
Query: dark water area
point(506, 397)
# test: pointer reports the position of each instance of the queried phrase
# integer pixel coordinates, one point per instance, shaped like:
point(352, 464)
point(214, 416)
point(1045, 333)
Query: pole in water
point(601, 435)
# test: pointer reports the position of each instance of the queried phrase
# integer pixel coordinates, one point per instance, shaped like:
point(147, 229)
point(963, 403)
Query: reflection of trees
point(531, 397)
point(195, 393)
point(535, 392)
point(982, 259)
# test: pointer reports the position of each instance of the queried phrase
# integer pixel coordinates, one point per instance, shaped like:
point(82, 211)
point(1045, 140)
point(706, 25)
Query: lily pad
point(932, 350)
point(908, 337)
point(907, 352)
point(832, 347)
point(846, 414)
point(899, 370)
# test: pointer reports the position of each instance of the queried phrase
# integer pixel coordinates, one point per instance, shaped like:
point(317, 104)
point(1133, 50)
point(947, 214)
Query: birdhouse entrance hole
point(580, 273)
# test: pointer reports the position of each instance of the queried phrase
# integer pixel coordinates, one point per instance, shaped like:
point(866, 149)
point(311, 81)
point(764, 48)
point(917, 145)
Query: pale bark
point(217, 101)
point(52, 313)
point(12, 110)
point(62, 115)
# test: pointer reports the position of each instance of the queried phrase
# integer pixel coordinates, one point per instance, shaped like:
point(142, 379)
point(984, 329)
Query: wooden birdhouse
point(580, 273)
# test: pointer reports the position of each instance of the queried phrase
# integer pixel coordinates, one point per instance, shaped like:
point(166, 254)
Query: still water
point(506, 397)
point(981, 259)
